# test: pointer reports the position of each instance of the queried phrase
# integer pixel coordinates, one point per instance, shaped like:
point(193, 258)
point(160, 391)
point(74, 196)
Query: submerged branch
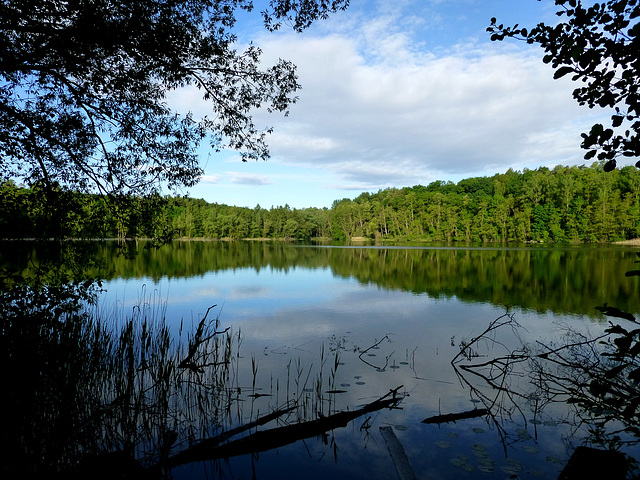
point(280, 436)
point(453, 417)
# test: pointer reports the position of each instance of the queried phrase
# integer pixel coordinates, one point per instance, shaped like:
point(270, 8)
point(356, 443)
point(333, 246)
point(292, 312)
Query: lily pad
point(443, 444)
point(512, 467)
point(523, 434)
point(478, 430)
point(462, 461)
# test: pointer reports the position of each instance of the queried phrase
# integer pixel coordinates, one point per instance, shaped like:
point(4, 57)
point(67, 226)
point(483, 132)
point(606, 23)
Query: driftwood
point(398, 455)
point(279, 436)
point(452, 417)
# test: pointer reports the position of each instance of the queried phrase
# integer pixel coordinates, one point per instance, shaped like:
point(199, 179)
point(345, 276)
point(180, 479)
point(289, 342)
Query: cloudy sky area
point(400, 93)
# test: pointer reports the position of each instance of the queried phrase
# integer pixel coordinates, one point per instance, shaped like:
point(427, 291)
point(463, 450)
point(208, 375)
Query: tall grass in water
point(80, 384)
point(165, 390)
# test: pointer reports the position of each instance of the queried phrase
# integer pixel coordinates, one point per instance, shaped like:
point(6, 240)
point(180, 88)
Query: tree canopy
point(84, 85)
point(598, 45)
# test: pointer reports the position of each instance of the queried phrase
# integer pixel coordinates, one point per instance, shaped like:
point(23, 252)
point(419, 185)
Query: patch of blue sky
point(400, 93)
point(238, 293)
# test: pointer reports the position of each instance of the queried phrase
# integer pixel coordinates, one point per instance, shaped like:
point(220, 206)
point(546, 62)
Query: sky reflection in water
point(310, 314)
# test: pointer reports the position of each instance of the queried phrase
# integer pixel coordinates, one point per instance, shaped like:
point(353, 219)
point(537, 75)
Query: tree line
point(563, 204)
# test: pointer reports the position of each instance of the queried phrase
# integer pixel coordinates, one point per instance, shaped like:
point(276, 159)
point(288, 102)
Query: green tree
point(84, 85)
point(598, 46)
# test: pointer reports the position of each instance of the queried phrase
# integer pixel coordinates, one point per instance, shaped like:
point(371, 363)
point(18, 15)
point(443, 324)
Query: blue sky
point(399, 93)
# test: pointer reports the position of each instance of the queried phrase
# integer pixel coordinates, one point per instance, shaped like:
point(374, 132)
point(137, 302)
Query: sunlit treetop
point(597, 44)
point(84, 85)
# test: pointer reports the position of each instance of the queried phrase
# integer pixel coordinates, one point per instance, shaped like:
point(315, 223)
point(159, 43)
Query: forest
point(565, 204)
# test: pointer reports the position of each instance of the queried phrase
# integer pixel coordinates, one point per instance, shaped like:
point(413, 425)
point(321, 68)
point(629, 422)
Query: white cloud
point(210, 178)
point(379, 108)
point(407, 115)
point(243, 178)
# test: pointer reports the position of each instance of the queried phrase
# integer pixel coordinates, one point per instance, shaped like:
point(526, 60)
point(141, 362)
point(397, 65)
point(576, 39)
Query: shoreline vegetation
point(563, 205)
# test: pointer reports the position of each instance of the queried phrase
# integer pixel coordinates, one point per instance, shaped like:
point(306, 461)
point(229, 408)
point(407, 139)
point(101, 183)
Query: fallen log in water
point(452, 417)
point(398, 455)
point(279, 436)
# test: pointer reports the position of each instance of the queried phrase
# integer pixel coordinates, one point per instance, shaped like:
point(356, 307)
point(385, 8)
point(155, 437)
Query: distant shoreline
point(633, 241)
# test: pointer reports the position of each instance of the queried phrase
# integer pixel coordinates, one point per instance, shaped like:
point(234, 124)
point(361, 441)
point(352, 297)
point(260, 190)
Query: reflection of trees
point(556, 280)
point(80, 386)
point(530, 278)
point(122, 397)
point(597, 375)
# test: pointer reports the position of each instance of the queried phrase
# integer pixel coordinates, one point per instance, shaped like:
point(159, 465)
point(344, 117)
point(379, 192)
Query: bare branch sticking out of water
point(276, 437)
point(386, 337)
point(453, 417)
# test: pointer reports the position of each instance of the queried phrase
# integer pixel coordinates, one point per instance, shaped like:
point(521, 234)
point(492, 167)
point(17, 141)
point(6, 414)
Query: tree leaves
point(598, 45)
point(84, 86)
point(562, 71)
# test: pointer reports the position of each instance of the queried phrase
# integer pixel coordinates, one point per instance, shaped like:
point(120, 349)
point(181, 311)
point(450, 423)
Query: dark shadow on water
point(122, 397)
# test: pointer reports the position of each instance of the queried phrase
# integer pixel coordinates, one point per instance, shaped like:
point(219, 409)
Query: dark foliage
point(84, 85)
point(597, 44)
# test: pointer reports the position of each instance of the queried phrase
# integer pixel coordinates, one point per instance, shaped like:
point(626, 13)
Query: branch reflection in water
point(125, 398)
point(597, 375)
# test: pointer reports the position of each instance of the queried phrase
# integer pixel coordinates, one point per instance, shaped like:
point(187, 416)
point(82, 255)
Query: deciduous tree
point(84, 87)
point(597, 44)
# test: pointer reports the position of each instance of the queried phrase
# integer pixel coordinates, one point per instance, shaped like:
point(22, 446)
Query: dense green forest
point(536, 278)
point(565, 204)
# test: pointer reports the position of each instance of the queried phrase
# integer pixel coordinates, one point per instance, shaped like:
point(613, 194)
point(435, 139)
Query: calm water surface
point(298, 306)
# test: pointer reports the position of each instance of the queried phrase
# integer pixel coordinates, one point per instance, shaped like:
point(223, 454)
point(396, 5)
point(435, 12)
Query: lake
point(415, 305)
point(340, 326)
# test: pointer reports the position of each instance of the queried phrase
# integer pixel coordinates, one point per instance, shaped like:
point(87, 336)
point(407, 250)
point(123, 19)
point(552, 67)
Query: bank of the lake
point(335, 327)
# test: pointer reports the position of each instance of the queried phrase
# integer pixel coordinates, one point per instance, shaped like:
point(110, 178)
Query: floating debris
point(478, 430)
point(452, 435)
point(401, 428)
point(530, 448)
